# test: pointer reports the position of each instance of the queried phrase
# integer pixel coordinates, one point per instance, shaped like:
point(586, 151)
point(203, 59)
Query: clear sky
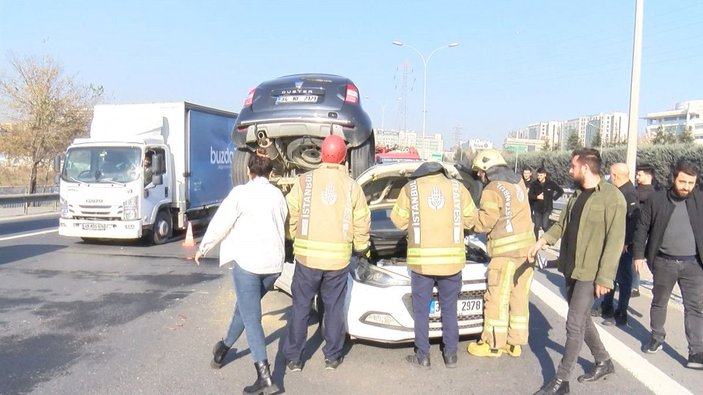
point(518, 61)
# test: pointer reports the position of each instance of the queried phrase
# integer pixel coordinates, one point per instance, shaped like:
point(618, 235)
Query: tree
point(660, 137)
point(597, 140)
point(686, 137)
point(546, 146)
point(46, 110)
point(458, 155)
point(573, 141)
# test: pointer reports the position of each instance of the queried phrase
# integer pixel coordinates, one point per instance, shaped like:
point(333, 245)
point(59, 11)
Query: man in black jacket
point(646, 184)
point(669, 235)
point(620, 177)
point(542, 194)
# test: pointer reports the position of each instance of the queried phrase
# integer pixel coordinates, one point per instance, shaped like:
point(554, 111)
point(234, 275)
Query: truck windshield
point(102, 164)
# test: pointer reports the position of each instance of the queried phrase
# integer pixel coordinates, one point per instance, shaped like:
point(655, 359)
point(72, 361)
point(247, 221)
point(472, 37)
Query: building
point(611, 126)
point(686, 116)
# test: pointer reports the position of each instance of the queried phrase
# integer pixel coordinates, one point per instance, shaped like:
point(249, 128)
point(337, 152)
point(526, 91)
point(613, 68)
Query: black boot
point(263, 384)
point(600, 370)
point(554, 387)
point(218, 354)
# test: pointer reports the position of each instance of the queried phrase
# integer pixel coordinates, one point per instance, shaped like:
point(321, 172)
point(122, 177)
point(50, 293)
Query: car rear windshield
point(295, 93)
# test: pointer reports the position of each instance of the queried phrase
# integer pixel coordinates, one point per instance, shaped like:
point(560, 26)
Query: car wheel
point(240, 161)
point(163, 228)
point(362, 157)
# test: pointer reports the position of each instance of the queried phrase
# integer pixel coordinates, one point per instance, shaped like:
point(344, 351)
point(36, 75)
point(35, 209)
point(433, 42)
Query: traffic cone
point(189, 242)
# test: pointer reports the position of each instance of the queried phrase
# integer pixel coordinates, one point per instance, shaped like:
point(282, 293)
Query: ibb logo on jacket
point(221, 157)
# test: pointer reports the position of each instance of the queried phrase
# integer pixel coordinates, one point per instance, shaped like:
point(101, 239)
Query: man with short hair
point(527, 176)
point(645, 186)
point(620, 177)
point(543, 192)
point(592, 229)
point(669, 235)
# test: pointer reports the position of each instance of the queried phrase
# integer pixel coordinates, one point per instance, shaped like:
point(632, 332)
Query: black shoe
point(263, 384)
point(635, 293)
point(597, 311)
point(695, 361)
point(294, 366)
point(218, 354)
point(333, 363)
point(610, 321)
point(554, 387)
point(600, 370)
point(652, 346)
point(450, 359)
point(620, 318)
point(419, 361)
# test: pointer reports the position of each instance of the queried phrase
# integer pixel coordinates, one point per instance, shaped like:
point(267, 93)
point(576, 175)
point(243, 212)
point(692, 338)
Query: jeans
point(623, 279)
point(332, 288)
point(448, 287)
point(689, 275)
point(541, 220)
point(249, 289)
point(580, 327)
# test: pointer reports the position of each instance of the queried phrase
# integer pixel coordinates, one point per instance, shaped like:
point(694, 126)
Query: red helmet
point(333, 149)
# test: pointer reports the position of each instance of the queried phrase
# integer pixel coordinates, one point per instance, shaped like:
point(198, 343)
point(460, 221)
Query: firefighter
point(434, 210)
point(504, 215)
point(328, 220)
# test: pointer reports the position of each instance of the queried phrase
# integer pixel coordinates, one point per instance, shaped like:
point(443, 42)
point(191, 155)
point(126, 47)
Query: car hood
point(382, 183)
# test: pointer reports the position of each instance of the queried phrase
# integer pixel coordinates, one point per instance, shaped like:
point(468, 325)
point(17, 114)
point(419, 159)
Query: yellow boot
point(482, 349)
point(513, 350)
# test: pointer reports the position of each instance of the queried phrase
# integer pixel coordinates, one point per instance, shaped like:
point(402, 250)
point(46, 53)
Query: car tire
point(162, 230)
point(362, 157)
point(240, 161)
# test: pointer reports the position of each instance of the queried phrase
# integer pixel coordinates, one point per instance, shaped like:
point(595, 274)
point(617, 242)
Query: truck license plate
point(463, 307)
point(90, 226)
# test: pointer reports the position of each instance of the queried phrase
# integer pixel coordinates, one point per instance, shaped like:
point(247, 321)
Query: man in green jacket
point(592, 233)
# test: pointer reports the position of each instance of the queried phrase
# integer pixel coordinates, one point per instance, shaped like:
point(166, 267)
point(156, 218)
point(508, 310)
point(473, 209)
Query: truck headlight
point(63, 209)
point(130, 208)
point(369, 274)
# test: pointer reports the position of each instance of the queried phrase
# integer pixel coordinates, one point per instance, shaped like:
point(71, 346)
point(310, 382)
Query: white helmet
point(487, 158)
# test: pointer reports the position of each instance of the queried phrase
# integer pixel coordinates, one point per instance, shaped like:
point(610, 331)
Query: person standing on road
point(251, 216)
point(669, 235)
point(543, 192)
point(504, 215)
point(620, 177)
point(645, 186)
point(434, 210)
point(329, 219)
point(592, 229)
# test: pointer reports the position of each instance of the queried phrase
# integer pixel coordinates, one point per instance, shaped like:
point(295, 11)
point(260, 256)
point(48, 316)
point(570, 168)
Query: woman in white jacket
point(250, 223)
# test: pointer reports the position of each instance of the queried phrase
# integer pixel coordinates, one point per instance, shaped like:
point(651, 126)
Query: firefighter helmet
point(487, 158)
point(333, 149)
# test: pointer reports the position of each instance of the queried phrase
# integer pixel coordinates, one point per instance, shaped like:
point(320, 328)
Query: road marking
point(43, 232)
point(656, 380)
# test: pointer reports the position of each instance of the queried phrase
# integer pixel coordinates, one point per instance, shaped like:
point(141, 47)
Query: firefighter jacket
point(435, 211)
point(328, 217)
point(504, 215)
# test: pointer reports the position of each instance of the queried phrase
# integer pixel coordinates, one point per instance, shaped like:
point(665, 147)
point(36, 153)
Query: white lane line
point(43, 232)
point(656, 380)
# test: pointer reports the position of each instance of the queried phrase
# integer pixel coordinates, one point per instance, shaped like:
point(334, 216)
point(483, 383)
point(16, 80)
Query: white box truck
point(145, 170)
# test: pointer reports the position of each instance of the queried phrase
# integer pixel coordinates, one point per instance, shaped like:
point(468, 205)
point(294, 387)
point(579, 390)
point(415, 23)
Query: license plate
point(297, 99)
point(463, 307)
point(90, 226)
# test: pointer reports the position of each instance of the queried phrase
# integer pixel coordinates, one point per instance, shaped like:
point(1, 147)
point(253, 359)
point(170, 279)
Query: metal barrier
point(29, 200)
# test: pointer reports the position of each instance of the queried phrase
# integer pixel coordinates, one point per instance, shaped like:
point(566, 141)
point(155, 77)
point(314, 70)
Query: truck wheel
point(163, 228)
point(240, 161)
point(362, 157)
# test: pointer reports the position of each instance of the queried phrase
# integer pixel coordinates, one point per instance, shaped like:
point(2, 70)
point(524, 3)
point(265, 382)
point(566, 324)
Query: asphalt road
point(123, 318)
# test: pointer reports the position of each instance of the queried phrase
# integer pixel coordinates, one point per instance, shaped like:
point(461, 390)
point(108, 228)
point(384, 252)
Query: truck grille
point(103, 212)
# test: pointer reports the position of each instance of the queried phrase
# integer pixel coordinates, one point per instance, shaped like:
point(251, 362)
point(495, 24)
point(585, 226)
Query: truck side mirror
point(57, 163)
point(157, 179)
point(157, 164)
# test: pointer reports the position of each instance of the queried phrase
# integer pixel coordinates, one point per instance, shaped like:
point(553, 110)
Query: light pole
point(425, 61)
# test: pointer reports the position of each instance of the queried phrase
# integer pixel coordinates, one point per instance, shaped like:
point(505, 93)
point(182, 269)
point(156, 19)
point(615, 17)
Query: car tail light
point(250, 98)
point(352, 95)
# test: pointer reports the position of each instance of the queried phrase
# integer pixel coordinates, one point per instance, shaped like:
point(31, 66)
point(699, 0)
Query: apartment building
point(685, 116)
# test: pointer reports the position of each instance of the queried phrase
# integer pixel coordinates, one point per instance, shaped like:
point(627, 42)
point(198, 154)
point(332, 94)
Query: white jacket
point(250, 223)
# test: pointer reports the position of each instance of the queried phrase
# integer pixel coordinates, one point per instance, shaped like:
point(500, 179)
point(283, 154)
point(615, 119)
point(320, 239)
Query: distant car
point(290, 116)
point(378, 304)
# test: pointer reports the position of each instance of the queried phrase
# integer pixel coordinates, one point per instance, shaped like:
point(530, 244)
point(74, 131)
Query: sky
point(518, 62)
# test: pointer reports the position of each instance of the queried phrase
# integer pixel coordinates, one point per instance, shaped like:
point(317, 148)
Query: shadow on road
point(15, 253)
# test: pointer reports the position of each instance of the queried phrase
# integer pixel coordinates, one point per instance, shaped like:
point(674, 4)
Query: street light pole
point(425, 61)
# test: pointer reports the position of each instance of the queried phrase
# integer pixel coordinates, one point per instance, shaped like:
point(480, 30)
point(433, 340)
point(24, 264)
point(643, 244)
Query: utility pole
point(633, 123)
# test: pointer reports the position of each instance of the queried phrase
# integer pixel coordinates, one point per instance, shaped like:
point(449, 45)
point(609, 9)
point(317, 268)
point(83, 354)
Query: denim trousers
point(689, 275)
point(249, 289)
point(623, 279)
point(448, 288)
point(580, 327)
point(541, 220)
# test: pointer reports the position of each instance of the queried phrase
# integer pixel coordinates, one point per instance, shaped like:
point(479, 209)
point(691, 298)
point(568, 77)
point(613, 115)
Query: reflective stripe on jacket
point(504, 215)
point(435, 211)
point(328, 218)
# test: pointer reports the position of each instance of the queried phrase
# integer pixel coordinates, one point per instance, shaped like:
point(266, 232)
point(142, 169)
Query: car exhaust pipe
point(260, 135)
point(267, 145)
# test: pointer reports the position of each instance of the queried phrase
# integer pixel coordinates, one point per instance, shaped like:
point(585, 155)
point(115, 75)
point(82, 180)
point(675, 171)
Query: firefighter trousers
point(506, 302)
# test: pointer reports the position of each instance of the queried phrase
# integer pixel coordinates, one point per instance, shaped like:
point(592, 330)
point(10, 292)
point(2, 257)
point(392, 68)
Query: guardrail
point(26, 201)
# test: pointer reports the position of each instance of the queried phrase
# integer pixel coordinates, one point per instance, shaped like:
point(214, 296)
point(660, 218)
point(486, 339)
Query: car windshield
point(102, 164)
